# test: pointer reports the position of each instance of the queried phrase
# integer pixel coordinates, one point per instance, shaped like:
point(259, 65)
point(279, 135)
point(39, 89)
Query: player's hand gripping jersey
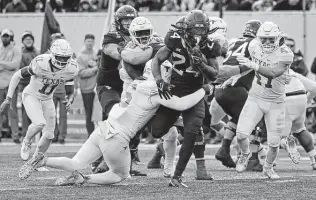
point(184, 76)
point(268, 88)
point(44, 79)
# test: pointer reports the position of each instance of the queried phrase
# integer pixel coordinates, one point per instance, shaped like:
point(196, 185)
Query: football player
point(296, 105)
point(194, 59)
point(232, 99)
point(47, 71)
point(111, 138)
point(271, 61)
point(109, 85)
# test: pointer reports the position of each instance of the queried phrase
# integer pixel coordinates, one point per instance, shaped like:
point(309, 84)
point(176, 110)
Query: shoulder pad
point(73, 66)
point(285, 54)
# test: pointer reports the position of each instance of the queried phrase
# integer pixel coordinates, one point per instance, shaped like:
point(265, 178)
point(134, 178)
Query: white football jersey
point(44, 80)
point(266, 88)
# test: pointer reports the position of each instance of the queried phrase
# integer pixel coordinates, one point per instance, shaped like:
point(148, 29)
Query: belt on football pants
point(298, 92)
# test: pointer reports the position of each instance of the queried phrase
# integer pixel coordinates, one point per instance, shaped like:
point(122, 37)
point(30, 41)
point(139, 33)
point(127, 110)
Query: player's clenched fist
point(5, 105)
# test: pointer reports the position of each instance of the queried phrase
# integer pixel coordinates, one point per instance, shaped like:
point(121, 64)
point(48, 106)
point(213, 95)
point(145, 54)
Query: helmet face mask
point(269, 36)
point(123, 17)
point(196, 27)
point(141, 32)
point(61, 53)
point(251, 28)
point(218, 25)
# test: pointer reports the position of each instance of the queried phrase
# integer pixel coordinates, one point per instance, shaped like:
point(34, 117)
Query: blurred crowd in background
point(12, 58)
point(9, 6)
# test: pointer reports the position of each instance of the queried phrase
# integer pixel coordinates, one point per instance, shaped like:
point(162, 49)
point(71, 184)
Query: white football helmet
point(61, 53)
point(141, 31)
point(269, 36)
point(218, 25)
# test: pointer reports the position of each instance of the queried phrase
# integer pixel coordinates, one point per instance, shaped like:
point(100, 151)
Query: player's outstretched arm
point(111, 50)
point(231, 70)
point(22, 73)
point(187, 101)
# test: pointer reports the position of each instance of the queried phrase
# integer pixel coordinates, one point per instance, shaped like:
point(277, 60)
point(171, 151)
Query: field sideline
point(297, 181)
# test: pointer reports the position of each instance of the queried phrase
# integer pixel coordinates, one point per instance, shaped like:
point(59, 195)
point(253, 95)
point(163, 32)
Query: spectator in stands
point(10, 58)
point(170, 6)
point(87, 61)
point(207, 5)
point(227, 5)
point(87, 6)
point(290, 5)
point(15, 6)
point(298, 64)
point(246, 5)
point(59, 97)
point(188, 5)
point(28, 53)
point(59, 6)
point(39, 6)
point(263, 5)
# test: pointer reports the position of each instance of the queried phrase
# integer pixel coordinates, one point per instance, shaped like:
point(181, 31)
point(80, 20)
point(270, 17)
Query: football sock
point(185, 153)
point(272, 154)
point(43, 145)
point(244, 145)
point(226, 142)
point(312, 153)
point(31, 132)
point(170, 147)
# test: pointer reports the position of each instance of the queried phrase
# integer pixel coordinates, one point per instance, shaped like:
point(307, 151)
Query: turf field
point(297, 181)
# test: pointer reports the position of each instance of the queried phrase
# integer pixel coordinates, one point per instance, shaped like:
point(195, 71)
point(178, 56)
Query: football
point(135, 55)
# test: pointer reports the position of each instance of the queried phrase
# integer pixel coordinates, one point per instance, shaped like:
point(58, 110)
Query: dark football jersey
point(108, 73)
point(184, 77)
point(240, 47)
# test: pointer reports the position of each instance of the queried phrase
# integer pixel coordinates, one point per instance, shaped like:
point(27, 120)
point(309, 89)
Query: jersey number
point(240, 50)
point(180, 61)
point(47, 89)
point(175, 35)
point(267, 85)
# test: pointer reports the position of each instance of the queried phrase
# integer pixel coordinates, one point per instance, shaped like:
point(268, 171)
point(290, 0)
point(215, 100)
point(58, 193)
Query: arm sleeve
point(69, 89)
point(212, 49)
point(170, 38)
point(182, 103)
point(14, 83)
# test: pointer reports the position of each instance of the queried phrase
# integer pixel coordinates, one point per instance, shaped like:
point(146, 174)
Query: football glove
point(164, 89)
point(5, 106)
point(246, 62)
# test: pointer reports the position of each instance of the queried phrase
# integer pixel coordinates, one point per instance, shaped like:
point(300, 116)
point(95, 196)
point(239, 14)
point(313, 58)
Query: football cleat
point(101, 168)
point(75, 178)
point(223, 155)
point(176, 182)
point(26, 170)
point(25, 150)
point(254, 165)
point(270, 173)
point(289, 145)
point(242, 162)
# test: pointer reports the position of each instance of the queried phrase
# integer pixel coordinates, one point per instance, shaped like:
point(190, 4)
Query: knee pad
point(231, 126)
point(38, 127)
point(241, 136)
point(172, 134)
point(274, 149)
point(48, 135)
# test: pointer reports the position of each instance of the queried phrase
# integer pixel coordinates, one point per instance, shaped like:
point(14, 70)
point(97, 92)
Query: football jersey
point(222, 40)
point(44, 79)
point(140, 110)
point(184, 77)
point(267, 88)
point(240, 46)
point(108, 73)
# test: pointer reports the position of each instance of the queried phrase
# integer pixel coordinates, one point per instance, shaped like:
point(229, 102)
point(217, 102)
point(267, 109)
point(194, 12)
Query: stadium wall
point(76, 25)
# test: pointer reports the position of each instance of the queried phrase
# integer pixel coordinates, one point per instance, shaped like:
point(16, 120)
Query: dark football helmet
point(124, 12)
point(251, 28)
point(196, 27)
